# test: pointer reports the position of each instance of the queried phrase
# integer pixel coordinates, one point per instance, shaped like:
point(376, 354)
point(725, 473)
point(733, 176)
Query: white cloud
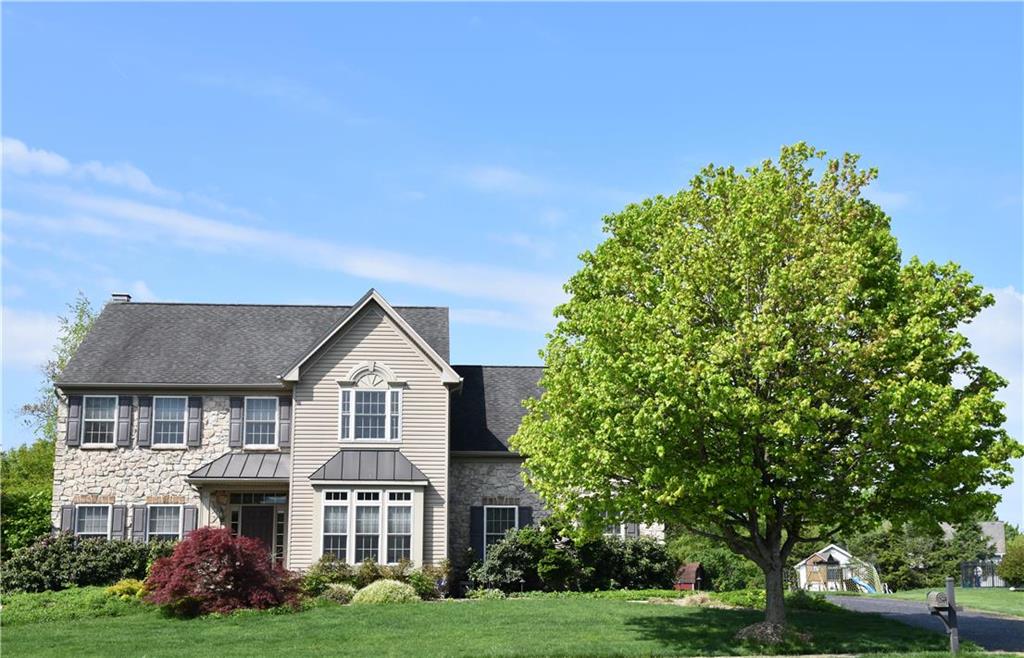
point(997, 336)
point(22, 159)
point(201, 233)
point(502, 179)
point(28, 336)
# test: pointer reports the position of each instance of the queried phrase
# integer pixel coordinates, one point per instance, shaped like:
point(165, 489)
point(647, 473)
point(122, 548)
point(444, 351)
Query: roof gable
point(372, 297)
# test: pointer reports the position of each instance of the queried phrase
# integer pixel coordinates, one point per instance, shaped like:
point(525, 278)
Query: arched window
point(370, 406)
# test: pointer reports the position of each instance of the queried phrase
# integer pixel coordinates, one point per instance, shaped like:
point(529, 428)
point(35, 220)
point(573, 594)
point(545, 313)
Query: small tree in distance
point(751, 360)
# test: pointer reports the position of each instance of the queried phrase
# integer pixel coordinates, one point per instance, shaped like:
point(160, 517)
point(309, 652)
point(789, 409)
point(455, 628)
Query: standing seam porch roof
point(269, 466)
point(382, 465)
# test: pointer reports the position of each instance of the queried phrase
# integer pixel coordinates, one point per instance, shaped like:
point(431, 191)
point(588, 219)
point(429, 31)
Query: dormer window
point(370, 410)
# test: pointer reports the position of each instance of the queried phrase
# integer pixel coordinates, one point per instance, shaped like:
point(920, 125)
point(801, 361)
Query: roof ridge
point(488, 365)
point(235, 304)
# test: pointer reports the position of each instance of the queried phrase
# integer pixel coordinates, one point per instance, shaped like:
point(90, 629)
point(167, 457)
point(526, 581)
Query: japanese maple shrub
point(214, 571)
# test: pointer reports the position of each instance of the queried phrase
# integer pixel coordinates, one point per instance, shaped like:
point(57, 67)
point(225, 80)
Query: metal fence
point(980, 574)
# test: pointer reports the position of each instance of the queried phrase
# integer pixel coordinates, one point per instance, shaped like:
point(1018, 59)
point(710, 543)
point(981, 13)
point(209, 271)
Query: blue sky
point(464, 154)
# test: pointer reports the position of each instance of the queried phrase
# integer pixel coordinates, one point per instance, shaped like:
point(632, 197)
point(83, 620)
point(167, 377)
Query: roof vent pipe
point(120, 298)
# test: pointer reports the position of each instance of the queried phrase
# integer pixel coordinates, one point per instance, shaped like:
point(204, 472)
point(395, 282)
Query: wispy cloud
point(491, 178)
point(888, 200)
point(539, 247)
point(503, 319)
point(21, 159)
point(28, 337)
point(278, 88)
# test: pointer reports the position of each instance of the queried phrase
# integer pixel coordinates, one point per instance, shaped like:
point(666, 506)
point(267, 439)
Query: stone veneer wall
point(483, 481)
point(134, 475)
point(494, 481)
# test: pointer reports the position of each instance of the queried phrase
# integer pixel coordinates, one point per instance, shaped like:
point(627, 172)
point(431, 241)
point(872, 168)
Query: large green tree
point(26, 472)
point(751, 359)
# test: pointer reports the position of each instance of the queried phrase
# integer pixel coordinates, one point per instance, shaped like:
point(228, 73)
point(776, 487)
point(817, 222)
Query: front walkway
point(989, 631)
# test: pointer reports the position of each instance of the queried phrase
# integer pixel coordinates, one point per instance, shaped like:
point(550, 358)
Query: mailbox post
point(939, 602)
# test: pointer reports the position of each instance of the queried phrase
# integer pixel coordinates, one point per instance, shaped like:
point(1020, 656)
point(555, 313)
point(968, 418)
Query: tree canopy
point(752, 360)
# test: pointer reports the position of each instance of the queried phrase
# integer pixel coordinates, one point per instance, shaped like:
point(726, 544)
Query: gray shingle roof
point(244, 466)
point(216, 344)
point(488, 409)
point(381, 465)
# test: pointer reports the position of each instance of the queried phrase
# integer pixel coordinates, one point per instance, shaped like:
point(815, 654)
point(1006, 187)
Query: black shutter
point(284, 422)
point(525, 516)
point(235, 434)
point(124, 421)
point(195, 421)
point(67, 518)
point(145, 418)
point(139, 523)
point(190, 519)
point(117, 521)
point(476, 531)
point(73, 430)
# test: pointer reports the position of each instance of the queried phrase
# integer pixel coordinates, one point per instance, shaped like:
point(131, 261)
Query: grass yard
point(988, 599)
point(521, 627)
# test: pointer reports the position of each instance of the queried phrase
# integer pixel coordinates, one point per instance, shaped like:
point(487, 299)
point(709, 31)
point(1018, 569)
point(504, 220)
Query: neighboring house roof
point(216, 344)
point(355, 465)
point(265, 467)
point(373, 297)
point(488, 408)
point(824, 552)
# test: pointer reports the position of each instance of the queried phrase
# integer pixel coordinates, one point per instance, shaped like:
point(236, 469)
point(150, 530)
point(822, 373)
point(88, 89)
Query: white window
point(98, 419)
point(336, 524)
point(399, 510)
point(498, 519)
point(164, 522)
point(368, 525)
point(260, 421)
point(370, 411)
point(169, 417)
point(92, 521)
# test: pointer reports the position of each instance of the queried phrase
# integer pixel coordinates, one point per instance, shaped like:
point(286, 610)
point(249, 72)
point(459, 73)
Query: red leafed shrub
point(214, 571)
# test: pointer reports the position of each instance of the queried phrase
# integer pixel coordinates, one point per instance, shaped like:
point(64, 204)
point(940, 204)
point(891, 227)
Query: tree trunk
point(775, 604)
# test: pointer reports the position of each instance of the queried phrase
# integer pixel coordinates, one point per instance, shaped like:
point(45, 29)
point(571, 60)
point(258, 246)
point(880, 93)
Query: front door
point(258, 523)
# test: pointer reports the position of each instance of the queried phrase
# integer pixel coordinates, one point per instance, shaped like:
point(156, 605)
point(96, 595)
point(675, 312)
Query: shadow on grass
point(712, 631)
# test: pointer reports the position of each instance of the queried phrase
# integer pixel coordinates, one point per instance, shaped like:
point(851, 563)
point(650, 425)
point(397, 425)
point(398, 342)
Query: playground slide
point(867, 589)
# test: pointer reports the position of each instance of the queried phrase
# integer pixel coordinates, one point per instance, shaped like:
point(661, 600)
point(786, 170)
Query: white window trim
point(110, 515)
point(391, 390)
point(117, 413)
point(388, 504)
point(382, 504)
point(490, 507)
point(184, 425)
point(347, 503)
point(246, 421)
point(181, 519)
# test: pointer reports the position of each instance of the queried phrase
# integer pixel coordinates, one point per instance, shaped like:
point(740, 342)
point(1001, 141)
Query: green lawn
point(989, 599)
point(539, 627)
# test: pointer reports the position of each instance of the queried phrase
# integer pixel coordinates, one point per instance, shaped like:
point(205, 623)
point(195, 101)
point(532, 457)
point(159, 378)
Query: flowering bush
point(214, 571)
point(339, 593)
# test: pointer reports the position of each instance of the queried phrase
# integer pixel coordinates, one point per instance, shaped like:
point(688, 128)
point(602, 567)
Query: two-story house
point(319, 430)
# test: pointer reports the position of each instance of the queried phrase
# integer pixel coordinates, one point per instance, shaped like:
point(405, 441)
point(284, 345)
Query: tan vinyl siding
point(370, 337)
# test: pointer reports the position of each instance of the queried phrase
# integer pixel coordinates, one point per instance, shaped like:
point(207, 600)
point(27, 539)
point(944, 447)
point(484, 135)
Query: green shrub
point(327, 570)
point(1011, 569)
point(339, 593)
point(742, 598)
point(66, 605)
point(385, 591)
point(607, 595)
point(129, 588)
point(724, 569)
point(367, 572)
point(801, 600)
point(535, 558)
point(486, 593)
point(60, 561)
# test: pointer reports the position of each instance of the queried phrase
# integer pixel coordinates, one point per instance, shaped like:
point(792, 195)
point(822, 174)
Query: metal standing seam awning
point(244, 467)
point(365, 465)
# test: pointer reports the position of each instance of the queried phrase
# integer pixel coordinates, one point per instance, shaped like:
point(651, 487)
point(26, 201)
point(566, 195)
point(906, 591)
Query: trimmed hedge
point(532, 558)
point(385, 591)
point(56, 562)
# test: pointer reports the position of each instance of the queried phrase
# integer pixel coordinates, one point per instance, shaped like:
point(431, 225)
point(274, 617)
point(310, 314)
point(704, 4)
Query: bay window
point(363, 525)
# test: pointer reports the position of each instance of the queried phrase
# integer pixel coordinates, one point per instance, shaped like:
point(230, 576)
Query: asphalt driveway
point(986, 630)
